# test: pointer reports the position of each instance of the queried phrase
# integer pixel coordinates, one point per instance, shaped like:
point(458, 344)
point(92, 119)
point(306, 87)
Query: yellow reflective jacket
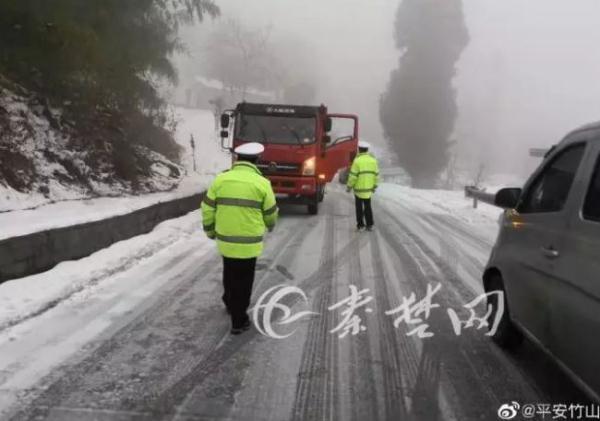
point(364, 175)
point(237, 208)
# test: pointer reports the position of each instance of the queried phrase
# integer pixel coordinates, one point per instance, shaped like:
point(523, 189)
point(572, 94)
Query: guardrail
point(395, 175)
point(478, 195)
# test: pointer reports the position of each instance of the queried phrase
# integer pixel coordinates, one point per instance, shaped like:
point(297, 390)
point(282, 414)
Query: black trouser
point(363, 211)
point(238, 277)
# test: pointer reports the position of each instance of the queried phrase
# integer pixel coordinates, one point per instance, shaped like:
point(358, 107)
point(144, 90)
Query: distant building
point(202, 93)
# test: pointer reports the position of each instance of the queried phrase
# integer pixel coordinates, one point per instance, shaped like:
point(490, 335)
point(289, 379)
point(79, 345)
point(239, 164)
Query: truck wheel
point(313, 207)
point(507, 335)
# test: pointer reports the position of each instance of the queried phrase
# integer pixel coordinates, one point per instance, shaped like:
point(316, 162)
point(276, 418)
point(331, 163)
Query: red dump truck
point(305, 146)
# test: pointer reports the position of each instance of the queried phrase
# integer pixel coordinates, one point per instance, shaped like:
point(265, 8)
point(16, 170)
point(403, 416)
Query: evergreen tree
point(95, 52)
point(418, 109)
point(102, 62)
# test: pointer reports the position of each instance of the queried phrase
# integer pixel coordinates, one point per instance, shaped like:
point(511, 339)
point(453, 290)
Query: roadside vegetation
point(80, 91)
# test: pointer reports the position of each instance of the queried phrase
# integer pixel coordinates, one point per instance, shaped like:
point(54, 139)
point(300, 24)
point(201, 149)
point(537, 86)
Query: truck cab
point(305, 146)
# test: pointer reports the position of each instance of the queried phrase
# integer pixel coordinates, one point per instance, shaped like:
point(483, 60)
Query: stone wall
point(41, 251)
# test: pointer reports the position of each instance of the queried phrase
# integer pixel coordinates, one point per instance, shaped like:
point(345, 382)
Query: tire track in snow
point(450, 223)
point(147, 328)
point(232, 345)
point(454, 254)
point(424, 392)
point(227, 348)
point(220, 383)
point(316, 397)
point(362, 375)
point(421, 357)
point(477, 376)
point(532, 374)
point(395, 356)
point(74, 379)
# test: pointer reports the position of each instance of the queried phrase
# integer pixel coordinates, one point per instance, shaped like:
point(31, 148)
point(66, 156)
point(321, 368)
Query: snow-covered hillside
point(43, 160)
point(210, 160)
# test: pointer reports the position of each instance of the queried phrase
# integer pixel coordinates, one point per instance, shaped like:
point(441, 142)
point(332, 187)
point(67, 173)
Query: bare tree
point(239, 57)
point(451, 172)
point(479, 175)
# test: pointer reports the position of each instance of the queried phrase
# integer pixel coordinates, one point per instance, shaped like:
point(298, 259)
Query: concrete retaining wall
point(38, 252)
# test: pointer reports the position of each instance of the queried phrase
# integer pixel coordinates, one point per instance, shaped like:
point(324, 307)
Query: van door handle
point(550, 252)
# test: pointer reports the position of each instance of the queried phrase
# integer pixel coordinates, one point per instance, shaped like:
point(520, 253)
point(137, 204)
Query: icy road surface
point(151, 340)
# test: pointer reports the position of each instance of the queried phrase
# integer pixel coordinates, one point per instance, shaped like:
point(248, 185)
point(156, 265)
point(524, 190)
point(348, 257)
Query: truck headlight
point(309, 166)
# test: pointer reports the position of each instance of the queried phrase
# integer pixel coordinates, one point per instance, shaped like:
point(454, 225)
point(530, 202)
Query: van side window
point(591, 206)
point(550, 190)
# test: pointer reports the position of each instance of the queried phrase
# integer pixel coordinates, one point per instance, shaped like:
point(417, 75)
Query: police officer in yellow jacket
point(237, 209)
point(363, 180)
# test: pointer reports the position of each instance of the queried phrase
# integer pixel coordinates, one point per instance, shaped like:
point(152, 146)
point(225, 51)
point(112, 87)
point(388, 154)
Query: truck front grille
point(271, 168)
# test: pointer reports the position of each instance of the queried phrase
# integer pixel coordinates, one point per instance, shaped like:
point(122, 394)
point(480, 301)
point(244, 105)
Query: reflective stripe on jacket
point(237, 208)
point(364, 175)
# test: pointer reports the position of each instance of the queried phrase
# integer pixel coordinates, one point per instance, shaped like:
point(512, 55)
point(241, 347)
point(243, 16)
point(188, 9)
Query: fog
point(529, 74)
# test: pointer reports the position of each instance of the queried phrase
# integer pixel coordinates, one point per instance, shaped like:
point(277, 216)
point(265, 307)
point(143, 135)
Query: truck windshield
point(276, 129)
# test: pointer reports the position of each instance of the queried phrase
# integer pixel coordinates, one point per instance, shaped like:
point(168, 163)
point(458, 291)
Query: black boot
point(241, 329)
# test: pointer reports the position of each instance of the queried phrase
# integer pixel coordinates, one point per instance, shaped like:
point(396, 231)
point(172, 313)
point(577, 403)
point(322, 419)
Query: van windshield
point(276, 129)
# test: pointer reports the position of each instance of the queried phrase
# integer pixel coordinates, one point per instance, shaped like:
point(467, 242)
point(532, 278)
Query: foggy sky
point(352, 44)
point(530, 73)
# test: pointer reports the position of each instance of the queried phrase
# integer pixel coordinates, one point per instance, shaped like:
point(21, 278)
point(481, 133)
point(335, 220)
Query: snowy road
point(152, 342)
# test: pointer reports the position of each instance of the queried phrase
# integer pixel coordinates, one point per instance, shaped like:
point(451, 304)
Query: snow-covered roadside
point(450, 202)
point(24, 298)
point(210, 160)
point(200, 124)
point(62, 214)
point(57, 316)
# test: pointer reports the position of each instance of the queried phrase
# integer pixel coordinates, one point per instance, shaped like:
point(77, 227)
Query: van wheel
point(507, 335)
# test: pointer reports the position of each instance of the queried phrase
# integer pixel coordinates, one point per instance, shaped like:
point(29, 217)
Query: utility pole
point(193, 145)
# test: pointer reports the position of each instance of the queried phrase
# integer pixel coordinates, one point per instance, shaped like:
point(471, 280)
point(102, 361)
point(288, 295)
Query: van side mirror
point(224, 121)
point(224, 134)
point(508, 198)
point(328, 124)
